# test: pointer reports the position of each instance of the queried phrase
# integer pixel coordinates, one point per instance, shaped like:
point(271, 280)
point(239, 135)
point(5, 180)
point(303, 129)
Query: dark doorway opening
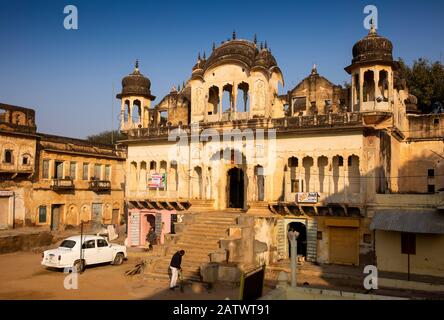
point(302, 238)
point(151, 220)
point(236, 188)
point(173, 223)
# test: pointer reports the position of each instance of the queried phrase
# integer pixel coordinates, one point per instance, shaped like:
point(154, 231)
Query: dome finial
point(266, 46)
point(234, 34)
point(262, 45)
point(372, 27)
point(205, 56)
point(198, 57)
point(314, 69)
point(137, 63)
point(214, 46)
point(255, 39)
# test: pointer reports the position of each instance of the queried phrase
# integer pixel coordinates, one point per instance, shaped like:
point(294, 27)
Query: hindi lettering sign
point(307, 197)
point(157, 181)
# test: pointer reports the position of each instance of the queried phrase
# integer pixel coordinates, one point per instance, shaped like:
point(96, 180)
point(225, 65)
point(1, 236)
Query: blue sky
point(68, 76)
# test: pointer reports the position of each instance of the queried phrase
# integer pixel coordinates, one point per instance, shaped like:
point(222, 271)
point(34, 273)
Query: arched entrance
point(302, 238)
point(151, 219)
point(235, 186)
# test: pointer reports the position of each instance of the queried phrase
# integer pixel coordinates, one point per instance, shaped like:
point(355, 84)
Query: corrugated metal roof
point(414, 222)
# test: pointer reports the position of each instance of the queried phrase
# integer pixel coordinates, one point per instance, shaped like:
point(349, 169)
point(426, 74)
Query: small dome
point(237, 51)
point(240, 51)
point(135, 84)
point(372, 48)
point(265, 59)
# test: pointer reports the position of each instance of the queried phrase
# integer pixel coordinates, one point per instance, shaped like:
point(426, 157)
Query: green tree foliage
point(106, 137)
point(425, 80)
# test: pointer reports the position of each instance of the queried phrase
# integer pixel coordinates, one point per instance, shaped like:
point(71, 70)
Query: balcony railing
point(281, 124)
point(62, 184)
point(100, 185)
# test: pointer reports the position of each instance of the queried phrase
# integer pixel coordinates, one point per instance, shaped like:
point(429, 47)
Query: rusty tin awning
point(408, 221)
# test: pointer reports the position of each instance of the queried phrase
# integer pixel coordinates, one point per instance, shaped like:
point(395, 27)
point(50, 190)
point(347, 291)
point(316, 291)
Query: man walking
point(176, 261)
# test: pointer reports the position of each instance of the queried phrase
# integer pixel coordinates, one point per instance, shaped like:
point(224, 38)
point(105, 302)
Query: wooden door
point(55, 217)
point(4, 212)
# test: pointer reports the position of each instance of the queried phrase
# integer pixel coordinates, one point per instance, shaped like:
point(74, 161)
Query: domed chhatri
point(373, 48)
point(239, 51)
point(135, 84)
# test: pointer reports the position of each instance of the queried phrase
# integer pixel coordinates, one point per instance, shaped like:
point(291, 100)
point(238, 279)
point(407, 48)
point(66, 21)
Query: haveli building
point(357, 171)
point(55, 182)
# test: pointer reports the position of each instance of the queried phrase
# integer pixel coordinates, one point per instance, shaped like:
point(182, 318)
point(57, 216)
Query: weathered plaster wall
point(429, 258)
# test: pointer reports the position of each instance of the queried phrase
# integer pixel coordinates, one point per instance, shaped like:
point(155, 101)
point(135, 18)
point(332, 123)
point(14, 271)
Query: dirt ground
point(22, 277)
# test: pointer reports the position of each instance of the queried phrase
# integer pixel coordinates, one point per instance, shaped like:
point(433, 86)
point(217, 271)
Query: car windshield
point(68, 244)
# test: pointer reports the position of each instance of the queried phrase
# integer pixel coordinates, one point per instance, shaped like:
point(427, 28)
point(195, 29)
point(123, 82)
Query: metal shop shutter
point(344, 245)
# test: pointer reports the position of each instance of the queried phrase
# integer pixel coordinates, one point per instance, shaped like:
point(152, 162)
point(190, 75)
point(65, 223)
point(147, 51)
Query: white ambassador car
point(95, 250)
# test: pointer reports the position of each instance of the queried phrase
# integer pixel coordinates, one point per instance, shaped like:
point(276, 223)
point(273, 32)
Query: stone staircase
point(199, 234)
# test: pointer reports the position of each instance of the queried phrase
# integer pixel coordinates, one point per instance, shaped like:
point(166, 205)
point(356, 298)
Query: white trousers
point(174, 275)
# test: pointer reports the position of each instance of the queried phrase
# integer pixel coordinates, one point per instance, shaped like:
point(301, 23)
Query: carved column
point(234, 100)
point(377, 91)
point(122, 113)
point(221, 94)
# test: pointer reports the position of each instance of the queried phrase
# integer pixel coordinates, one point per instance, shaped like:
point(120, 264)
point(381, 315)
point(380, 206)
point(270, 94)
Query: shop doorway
point(302, 238)
point(4, 212)
point(235, 188)
point(173, 223)
point(151, 220)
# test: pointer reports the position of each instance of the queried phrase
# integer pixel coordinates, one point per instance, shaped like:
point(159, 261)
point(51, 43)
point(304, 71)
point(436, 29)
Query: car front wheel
point(79, 266)
point(118, 259)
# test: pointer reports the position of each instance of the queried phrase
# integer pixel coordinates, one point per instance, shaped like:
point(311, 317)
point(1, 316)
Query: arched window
point(8, 156)
point(369, 86)
point(142, 176)
point(354, 175)
point(213, 100)
point(307, 163)
point(173, 178)
point(227, 98)
point(383, 86)
point(197, 183)
point(242, 99)
point(260, 182)
point(293, 162)
point(137, 112)
point(322, 169)
point(133, 176)
point(126, 111)
point(153, 166)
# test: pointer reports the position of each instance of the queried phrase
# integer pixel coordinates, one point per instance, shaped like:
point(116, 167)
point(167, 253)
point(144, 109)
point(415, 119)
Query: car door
point(104, 252)
point(90, 252)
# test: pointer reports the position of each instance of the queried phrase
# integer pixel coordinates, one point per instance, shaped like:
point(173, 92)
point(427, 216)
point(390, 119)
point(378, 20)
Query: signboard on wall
point(307, 197)
point(6, 193)
point(157, 180)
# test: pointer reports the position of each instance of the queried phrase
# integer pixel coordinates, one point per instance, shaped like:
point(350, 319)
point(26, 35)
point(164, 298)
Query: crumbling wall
point(22, 242)
point(265, 231)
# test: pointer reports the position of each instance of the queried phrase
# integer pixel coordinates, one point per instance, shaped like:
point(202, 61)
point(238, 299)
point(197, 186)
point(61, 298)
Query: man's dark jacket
point(176, 260)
